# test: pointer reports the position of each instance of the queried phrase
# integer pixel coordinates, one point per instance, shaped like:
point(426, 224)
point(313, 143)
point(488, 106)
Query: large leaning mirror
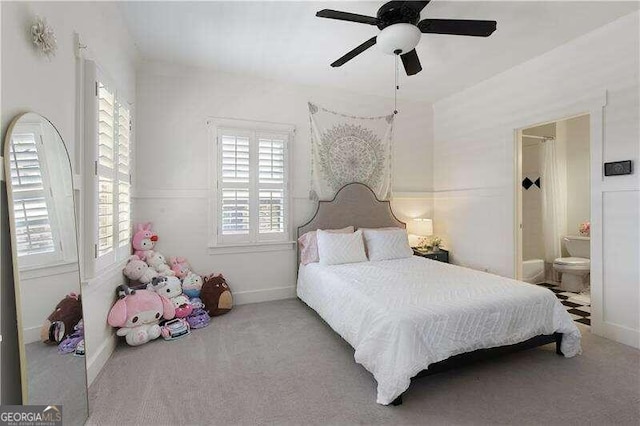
point(46, 269)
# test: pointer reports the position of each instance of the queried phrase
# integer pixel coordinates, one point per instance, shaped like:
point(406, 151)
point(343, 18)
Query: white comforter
point(402, 315)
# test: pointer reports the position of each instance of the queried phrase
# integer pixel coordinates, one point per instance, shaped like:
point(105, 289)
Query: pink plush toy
point(143, 240)
point(179, 266)
point(137, 315)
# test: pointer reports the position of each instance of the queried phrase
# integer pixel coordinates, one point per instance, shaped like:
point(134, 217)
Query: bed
point(415, 316)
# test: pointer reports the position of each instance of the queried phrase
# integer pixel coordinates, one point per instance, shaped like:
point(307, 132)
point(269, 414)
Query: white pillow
point(336, 249)
point(384, 244)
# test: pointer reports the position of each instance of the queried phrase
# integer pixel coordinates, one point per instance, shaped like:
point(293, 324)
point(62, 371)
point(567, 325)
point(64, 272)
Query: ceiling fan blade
point(355, 52)
point(346, 16)
point(411, 62)
point(466, 27)
point(417, 5)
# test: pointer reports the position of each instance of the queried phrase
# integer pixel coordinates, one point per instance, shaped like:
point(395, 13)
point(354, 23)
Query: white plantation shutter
point(32, 200)
point(235, 211)
point(112, 174)
point(124, 214)
point(105, 169)
point(271, 184)
point(105, 216)
point(124, 145)
point(107, 148)
point(251, 186)
point(271, 212)
point(235, 158)
point(271, 160)
point(234, 185)
point(123, 172)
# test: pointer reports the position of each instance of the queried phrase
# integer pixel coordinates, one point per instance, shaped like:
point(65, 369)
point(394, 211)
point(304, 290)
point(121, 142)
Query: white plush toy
point(171, 288)
point(156, 261)
point(137, 269)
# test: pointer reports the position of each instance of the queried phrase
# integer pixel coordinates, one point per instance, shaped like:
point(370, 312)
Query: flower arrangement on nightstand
point(427, 245)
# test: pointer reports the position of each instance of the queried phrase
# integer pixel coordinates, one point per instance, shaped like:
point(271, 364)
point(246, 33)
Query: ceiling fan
point(401, 29)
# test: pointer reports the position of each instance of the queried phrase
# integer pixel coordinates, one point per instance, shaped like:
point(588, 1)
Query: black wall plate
point(617, 168)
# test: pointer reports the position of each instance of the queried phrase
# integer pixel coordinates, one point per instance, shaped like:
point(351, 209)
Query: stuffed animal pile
point(162, 289)
point(64, 327)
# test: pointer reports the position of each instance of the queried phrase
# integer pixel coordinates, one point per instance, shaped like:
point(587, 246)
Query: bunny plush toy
point(144, 240)
point(137, 314)
point(179, 266)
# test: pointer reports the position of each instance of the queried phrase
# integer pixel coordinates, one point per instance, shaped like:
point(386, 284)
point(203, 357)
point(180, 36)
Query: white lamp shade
point(421, 227)
point(403, 37)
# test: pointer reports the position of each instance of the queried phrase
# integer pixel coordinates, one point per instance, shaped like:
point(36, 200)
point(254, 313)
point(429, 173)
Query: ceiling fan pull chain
point(395, 93)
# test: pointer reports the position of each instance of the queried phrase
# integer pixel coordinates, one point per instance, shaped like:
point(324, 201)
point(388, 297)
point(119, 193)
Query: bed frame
point(356, 204)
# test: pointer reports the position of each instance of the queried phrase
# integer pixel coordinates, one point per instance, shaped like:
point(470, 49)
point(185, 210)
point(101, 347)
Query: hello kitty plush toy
point(156, 261)
point(171, 288)
point(191, 285)
point(143, 240)
point(179, 266)
point(137, 270)
point(137, 313)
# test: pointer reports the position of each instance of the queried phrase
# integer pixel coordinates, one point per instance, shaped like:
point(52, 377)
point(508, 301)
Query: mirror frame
point(14, 255)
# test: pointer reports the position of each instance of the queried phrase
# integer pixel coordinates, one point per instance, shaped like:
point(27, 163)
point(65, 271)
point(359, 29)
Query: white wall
point(34, 83)
point(40, 292)
point(474, 162)
point(172, 164)
point(578, 172)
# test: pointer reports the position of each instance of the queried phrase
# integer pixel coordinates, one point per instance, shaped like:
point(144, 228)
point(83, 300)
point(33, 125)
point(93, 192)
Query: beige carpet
point(278, 363)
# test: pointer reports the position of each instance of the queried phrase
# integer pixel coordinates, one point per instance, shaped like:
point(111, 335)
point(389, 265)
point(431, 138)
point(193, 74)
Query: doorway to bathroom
point(554, 210)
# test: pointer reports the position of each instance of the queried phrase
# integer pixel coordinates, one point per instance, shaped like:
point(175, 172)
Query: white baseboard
point(617, 333)
point(31, 334)
point(256, 296)
point(99, 358)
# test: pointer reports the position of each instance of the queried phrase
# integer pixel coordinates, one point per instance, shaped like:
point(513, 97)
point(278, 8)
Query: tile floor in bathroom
point(578, 304)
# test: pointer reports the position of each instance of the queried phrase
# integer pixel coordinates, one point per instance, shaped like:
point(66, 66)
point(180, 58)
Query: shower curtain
point(554, 199)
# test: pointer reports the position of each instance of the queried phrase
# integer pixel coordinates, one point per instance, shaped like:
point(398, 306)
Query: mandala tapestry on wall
point(348, 149)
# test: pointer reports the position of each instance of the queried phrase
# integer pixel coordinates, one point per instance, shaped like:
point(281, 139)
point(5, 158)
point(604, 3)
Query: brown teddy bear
point(60, 323)
point(216, 295)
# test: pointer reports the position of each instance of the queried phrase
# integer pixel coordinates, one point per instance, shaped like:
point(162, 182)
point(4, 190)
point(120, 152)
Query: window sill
point(41, 271)
point(252, 247)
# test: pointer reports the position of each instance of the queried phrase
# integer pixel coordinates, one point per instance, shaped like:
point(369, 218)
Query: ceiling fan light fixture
point(403, 37)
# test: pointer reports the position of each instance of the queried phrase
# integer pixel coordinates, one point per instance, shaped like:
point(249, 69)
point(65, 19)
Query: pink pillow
point(309, 244)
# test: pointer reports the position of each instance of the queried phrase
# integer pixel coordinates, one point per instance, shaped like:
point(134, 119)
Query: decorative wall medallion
point(351, 153)
point(43, 37)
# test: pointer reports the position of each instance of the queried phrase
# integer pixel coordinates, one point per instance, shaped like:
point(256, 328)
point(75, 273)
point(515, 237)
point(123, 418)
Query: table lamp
point(419, 229)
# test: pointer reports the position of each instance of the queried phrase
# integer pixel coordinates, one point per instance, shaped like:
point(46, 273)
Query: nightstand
point(441, 255)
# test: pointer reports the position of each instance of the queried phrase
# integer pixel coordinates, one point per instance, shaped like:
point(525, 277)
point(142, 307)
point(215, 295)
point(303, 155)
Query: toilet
point(575, 269)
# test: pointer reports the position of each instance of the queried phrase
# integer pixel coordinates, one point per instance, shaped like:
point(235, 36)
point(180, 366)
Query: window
point(112, 170)
point(108, 123)
point(37, 243)
point(251, 199)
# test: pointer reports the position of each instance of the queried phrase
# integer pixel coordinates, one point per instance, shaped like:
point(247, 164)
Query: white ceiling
point(285, 41)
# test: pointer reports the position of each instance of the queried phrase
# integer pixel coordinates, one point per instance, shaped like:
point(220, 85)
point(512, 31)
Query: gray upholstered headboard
point(354, 204)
